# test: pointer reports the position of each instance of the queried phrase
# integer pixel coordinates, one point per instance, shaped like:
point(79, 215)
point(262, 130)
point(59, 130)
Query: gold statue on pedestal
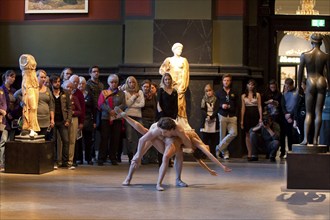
point(30, 94)
point(178, 67)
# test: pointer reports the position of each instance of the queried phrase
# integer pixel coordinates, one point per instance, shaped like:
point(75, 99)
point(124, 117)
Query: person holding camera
point(265, 139)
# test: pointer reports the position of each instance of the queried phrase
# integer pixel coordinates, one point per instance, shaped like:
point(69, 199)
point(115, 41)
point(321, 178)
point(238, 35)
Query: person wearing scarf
point(210, 123)
point(110, 123)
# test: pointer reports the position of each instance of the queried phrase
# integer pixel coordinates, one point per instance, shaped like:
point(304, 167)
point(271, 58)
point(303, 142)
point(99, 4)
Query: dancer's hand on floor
point(226, 169)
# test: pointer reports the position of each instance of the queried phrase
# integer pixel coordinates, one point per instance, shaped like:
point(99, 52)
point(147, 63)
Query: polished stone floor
point(250, 191)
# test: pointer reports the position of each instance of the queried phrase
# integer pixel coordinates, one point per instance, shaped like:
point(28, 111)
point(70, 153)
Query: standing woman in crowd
point(111, 125)
point(3, 112)
point(148, 118)
point(210, 121)
point(46, 106)
point(154, 88)
point(66, 74)
point(167, 98)
point(134, 102)
point(167, 103)
point(14, 111)
point(251, 112)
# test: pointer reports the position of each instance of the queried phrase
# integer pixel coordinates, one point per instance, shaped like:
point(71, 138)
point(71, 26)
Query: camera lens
point(265, 121)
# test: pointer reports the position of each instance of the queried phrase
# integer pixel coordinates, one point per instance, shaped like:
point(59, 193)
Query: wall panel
point(183, 9)
point(56, 45)
point(228, 42)
point(138, 41)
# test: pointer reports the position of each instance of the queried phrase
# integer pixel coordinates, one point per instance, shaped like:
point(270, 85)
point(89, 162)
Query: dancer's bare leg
point(178, 162)
point(159, 145)
point(136, 125)
point(136, 160)
point(169, 152)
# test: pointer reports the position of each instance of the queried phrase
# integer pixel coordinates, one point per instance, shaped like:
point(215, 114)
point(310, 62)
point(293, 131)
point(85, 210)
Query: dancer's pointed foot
point(180, 183)
point(120, 112)
point(159, 187)
point(126, 182)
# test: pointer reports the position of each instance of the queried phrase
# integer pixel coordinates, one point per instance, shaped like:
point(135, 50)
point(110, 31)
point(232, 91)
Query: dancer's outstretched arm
point(203, 164)
point(197, 142)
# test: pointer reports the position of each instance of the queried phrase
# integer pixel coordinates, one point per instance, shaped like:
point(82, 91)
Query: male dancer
point(167, 137)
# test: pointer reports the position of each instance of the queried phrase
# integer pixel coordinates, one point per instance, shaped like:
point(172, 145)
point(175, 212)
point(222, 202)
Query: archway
point(289, 50)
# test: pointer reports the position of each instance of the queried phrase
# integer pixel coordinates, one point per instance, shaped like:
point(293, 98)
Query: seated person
point(265, 139)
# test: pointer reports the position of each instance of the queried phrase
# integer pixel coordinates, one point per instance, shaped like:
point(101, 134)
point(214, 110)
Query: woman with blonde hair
point(46, 106)
point(167, 98)
point(134, 100)
point(167, 103)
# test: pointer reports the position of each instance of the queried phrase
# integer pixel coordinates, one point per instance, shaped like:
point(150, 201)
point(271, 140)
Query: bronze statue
point(318, 79)
point(178, 67)
point(30, 93)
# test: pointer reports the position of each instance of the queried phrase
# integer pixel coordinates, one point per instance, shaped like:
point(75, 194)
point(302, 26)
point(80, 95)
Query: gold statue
point(30, 94)
point(178, 67)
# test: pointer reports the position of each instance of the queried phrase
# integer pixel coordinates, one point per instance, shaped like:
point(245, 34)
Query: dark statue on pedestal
point(317, 64)
point(315, 156)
